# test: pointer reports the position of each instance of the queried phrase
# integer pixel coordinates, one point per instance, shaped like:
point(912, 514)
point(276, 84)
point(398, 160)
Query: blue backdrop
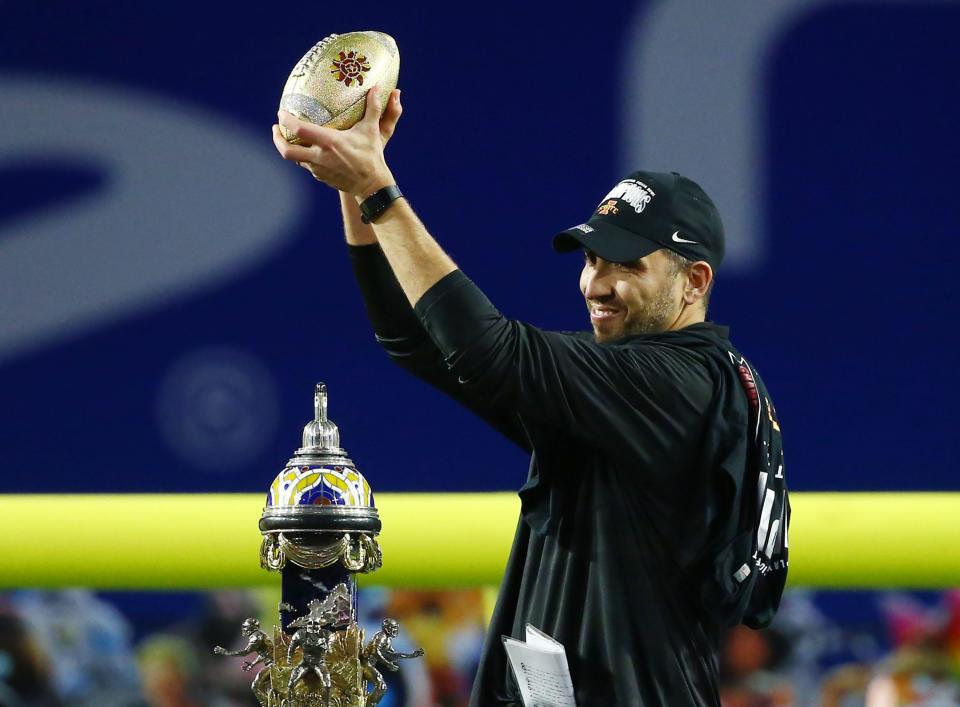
point(171, 289)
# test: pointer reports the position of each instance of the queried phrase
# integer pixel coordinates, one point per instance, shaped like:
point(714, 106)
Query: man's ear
point(699, 277)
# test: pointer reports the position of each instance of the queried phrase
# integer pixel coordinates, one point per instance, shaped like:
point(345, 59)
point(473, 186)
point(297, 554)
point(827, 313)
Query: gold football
point(329, 85)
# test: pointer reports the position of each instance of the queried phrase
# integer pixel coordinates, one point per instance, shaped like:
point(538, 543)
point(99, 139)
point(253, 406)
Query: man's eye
point(589, 257)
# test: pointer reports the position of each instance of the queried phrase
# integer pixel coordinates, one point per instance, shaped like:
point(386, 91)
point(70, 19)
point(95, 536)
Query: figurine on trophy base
point(380, 650)
point(320, 528)
point(313, 643)
point(260, 644)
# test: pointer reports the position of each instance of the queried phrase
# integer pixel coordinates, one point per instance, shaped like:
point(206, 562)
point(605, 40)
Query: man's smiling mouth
point(599, 313)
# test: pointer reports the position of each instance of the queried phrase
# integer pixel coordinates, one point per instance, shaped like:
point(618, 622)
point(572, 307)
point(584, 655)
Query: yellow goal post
point(430, 540)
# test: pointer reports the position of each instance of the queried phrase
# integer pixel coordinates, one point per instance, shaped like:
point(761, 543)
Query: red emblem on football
point(350, 67)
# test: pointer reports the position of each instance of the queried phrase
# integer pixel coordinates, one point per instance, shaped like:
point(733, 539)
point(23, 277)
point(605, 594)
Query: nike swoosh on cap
point(677, 239)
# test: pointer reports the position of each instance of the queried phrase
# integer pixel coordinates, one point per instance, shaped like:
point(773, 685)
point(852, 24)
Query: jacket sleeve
point(400, 334)
point(633, 400)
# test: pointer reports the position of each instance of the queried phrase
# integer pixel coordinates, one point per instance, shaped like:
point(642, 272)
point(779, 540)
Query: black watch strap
point(374, 205)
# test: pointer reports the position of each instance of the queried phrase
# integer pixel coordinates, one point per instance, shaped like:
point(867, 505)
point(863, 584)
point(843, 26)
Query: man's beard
point(651, 317)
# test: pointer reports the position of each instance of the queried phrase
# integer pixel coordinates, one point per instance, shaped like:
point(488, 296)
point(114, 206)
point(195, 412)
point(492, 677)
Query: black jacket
point(651, 460)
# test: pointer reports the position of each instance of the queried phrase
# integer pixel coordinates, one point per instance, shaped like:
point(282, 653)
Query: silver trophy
point(320, 528)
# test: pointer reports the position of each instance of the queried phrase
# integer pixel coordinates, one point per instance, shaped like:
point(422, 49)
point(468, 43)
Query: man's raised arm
point(395, 325)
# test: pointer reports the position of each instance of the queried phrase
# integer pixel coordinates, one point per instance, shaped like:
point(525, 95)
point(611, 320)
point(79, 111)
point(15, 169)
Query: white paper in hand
point(540, 667)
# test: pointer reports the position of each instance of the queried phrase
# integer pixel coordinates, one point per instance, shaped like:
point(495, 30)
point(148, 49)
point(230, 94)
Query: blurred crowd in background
point(80, 648)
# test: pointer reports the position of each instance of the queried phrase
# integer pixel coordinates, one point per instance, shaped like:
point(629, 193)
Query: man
point(655, 511)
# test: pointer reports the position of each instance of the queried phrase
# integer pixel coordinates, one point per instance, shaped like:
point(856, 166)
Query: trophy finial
point(320, 435)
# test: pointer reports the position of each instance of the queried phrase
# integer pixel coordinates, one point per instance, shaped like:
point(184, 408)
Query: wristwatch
point(374, 205)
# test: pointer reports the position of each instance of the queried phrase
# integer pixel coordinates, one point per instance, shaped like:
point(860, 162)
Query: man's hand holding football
point(351, 160)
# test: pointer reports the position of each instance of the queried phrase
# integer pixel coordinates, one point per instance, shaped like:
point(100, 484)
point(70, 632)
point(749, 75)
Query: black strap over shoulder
point(750, 572)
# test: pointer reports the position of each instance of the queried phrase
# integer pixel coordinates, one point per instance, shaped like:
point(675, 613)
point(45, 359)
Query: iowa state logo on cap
point(632, 191)
point(610, 207)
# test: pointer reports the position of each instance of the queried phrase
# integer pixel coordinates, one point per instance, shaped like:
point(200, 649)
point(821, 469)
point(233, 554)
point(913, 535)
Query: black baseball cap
point(647, 211)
